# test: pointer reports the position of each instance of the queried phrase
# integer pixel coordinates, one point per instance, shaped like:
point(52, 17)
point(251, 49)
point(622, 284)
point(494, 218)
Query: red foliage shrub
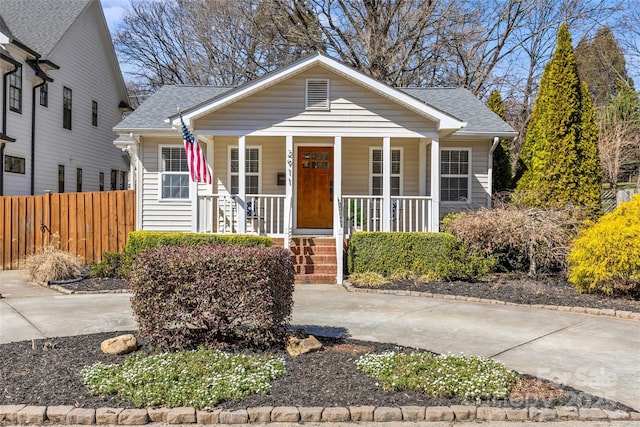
point(212, 295)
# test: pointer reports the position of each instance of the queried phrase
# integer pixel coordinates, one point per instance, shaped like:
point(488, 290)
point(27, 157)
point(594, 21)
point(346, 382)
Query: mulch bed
point(47, 372)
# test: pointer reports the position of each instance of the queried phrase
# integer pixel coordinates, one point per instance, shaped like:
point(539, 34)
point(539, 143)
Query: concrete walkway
point(597, 354)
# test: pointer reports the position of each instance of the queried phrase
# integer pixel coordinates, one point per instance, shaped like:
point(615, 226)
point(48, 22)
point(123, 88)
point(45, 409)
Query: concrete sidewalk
point(597, 354)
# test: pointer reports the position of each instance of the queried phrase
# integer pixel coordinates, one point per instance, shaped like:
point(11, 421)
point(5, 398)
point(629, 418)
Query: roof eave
point(485, 134)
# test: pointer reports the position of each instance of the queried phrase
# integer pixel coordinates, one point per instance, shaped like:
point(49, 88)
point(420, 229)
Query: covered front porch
point(319, 186)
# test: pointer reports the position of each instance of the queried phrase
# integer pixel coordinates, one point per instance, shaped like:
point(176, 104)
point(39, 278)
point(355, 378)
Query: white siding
point(85, 57)
point(281, 109)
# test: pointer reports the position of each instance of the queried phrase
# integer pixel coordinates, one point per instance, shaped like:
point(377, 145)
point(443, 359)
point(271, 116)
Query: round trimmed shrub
point(606, 257)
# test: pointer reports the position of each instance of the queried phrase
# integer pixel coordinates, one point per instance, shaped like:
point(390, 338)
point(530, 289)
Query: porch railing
point(364, 213)
point(218, 213)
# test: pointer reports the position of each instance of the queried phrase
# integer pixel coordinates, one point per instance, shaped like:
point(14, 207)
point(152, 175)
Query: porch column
point(338, 225)
point(422, 167)
point(435, 186)
point(386, 183)
point(242, 202)
point(288, 191)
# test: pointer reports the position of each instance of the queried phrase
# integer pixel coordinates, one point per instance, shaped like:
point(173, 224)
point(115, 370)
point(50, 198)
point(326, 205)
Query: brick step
point(313, 241)
point(312, 250)
point(315, 269)
point(315, 279)
point(314, 259)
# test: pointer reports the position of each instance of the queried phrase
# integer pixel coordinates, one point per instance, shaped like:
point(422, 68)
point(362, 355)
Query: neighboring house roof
point(40, 24)
point(463, 104)
point(153, 113)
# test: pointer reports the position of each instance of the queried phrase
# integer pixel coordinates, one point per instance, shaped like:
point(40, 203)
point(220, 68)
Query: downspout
point(45, 79)
point(496, 141)
point(4, 125)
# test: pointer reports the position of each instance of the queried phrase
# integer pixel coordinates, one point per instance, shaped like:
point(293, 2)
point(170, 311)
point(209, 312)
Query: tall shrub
point(560, 158)
point(606, 257)
point(501, 175)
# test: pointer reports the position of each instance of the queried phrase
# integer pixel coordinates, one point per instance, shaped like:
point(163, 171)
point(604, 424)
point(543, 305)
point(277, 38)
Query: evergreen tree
point(560, 156)
point(502, 180)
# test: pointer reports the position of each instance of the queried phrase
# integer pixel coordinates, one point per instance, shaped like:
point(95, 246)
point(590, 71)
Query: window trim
point(66, 90)
point(161, 173)
point(469, 176)
point(326, 107)
point(10, 161)
point(16, 87)
point(400, 175)
point(258, 174)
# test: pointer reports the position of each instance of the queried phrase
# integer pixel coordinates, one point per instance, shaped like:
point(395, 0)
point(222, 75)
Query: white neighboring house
point(313, 149)
point(63, 93)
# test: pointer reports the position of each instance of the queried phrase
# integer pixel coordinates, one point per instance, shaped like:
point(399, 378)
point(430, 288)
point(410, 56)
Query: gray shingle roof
point(462, 104)
point(162, 104)
point(459, 103)
point(40, 24)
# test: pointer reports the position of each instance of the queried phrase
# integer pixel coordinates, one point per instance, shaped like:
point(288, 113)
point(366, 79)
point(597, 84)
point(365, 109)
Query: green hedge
point(434, 254)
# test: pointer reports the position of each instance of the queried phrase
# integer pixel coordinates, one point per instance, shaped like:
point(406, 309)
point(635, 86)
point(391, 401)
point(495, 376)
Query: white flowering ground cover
point(470, 378)
point(197, 378)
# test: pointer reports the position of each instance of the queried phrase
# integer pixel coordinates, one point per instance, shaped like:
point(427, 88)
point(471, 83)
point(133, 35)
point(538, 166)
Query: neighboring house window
point(44, 95)
point(94, 113)
point(79, 180)
point(455, 167)
point(114, 179)
point(66, 105)
point(14, 164)
point(60, 178)
point(317, 94)
point(15, 90)
point(101, 181)
point(174, 173)
point(377, 168)
point(252, 170)
point(123, 180)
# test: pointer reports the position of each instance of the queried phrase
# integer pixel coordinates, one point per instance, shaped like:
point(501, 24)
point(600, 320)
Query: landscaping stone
point(361, 413)
point(387, 414)
point(83, 416)
point(58, 414)
point(591, 414)
point(439, 413)
point(157, 415)
point(635, 416)
point(412, 413)
point(107, 415)
point(9, 413)
point(285, 414)
point(487, 413)
point(336, 414)
point(464, 412)
point(310, 414)
point(122, 344)
point(623, 314)
point(542, 414)
point(616, 415)
point(239, 416)
point(32, 415)
point(260, 414)
point(514, 414)
point(567, 413)
point(296, 346)
point(133, 417)
point(208, 417)
point(182, 415)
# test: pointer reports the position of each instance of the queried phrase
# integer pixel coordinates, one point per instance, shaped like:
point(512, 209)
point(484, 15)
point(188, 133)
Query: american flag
point(196, 159)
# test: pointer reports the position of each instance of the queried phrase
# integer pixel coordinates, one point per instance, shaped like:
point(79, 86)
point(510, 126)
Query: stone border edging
point(620, 314)
point(38, 415)
point(66, 291)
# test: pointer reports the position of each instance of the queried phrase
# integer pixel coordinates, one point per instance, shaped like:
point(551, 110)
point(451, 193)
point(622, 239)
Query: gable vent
point(318, 94)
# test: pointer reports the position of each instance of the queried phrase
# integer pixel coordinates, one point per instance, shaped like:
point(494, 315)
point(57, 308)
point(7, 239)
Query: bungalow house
point(308, 154)
point(62, 95)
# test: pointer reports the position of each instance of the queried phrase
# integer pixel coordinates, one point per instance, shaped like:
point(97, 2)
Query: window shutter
point(317, 94)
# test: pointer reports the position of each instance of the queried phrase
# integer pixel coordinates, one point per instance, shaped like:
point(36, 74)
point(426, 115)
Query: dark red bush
point(212, 295)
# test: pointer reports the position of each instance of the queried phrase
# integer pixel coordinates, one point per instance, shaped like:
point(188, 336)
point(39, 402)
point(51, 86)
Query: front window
point(15, 90)
point(454, 175)
point(377, 168)
point(252, 170)
point(66, 108)
point(174, 173)
point(114, 180)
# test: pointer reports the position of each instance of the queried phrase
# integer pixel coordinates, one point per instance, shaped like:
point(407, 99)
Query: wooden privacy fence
point(83, 224)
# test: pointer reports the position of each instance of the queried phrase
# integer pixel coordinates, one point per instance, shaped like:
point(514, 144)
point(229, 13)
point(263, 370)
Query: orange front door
point(315, 187)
